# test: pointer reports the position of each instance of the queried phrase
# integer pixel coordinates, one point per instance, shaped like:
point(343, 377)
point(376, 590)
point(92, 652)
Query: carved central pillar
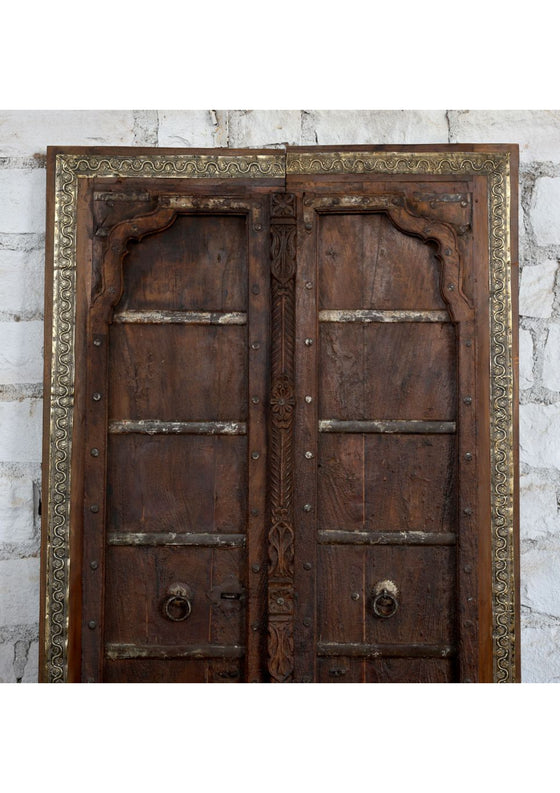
point(282, 405)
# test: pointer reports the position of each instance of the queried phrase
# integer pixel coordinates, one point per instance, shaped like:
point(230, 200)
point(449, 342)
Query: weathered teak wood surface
point(284, 446)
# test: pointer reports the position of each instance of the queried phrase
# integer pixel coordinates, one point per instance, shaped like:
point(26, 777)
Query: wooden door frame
point(70, 168)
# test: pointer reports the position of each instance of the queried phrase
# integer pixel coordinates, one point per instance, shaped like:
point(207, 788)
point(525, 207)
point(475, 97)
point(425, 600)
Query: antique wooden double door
point(281, 451)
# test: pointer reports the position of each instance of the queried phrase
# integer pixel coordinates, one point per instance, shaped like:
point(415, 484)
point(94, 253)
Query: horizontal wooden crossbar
point(157, 427)
point(389, 426)
point(368, 315)
point(177, 539)
point(181, 318)
point(118, 652)
point(340, 537)
point(354, 650)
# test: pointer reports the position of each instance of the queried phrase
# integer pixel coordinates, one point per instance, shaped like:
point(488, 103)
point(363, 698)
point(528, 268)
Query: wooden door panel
point(425, 579)
point(411, 670)
point(177, 484)
point(387, 446)
point(381, 670)
point(387, 483)
point(138, 588)
point(177, 670)
point(379, 267)
point(205, 260)
point(183, 443)
point(340, 670)
point(396, 370)
point(175, 372)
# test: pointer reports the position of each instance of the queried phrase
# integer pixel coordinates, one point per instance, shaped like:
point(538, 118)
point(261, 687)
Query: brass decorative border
point(68, 170)
point(495, 166)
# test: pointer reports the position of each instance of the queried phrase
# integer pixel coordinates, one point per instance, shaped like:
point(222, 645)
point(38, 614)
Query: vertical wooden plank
point(94, 508)
point(468, 518)
point(306, 447)
point(258, 352)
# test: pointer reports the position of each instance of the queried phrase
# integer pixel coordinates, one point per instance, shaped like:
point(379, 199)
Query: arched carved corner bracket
point(132, 230)
point(395, 206)
point(444, 237)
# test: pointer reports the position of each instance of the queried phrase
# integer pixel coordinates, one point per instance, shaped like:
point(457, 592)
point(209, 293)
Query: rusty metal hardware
point(177, 606)
point(338, 671)
point(385, 602)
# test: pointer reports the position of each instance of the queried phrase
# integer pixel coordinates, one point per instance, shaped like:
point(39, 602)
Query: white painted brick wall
point(551, 359)
point(538, 441)
point(20, 431)
point(329, 127)
point(546, 210)
point(24, 133)
point(22, 198)
point(264, 128)
point(526, 359)
point(22, 275)
point(536, 132)
point(19, 591)
point(21, 352)
point(198, 128)
point(24, 136)
point(539, 506)
point(17, 506)
point(536, 290)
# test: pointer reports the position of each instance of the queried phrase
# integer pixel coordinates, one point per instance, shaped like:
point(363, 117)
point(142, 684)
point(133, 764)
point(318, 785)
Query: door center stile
point(281, 535)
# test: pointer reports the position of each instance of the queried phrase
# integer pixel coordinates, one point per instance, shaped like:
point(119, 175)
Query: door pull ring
point(385, 601)
point(177, 606)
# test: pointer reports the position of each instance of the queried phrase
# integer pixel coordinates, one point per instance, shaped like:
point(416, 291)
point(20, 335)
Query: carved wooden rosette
point(282, 405)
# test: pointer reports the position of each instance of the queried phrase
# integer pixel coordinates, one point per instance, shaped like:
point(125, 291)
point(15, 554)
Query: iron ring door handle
point(385, 601)
point(177, 607)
